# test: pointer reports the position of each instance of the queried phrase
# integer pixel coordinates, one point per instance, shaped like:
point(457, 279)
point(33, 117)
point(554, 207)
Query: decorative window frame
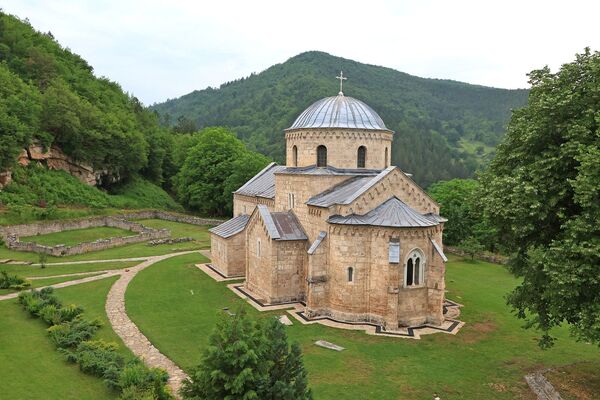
point(422, 269)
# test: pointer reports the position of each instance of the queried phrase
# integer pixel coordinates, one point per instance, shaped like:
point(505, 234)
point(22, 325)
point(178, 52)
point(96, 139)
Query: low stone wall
point(170, 216)
point(496, 259)
point(43, 228)
point(12, 233)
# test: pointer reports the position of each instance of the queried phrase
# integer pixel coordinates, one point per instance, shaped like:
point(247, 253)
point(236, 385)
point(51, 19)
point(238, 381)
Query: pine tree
point(286, 377)
point(232, 366)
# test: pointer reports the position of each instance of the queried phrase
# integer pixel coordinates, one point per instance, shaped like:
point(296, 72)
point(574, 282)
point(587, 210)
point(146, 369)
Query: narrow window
point(295, 156)
point(409, 272)
point(385, 163)
point(350, 274)
point(394, 251)
point(361, 157)
point(417, 270)
point(291, 201)
point(321, 156)
point(257, 247)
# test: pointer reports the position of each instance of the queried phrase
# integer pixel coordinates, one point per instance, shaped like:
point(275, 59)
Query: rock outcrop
point(54, 158)
point(5, 178)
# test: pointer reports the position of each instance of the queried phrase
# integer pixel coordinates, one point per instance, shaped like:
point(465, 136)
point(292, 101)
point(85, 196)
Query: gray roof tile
point(339, 112)
point(347, 191)
point(393, 213)
point(329, 170)
point(281, 225)
point(231, 227)
point(262, 184)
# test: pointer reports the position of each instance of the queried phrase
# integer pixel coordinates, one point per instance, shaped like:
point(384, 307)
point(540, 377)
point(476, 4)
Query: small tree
point(471, 246)
point(42, 259)
point(246, 360)
point(232, 367)
point(286, 376)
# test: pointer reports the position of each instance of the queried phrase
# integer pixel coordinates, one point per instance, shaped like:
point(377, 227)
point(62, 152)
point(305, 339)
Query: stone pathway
point(129, 332)
point(69, 283)
point(95, 261)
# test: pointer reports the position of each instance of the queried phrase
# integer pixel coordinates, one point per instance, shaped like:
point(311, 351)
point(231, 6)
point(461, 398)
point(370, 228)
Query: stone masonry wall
point(246, 204)
point(342, 147)
point(228, 255)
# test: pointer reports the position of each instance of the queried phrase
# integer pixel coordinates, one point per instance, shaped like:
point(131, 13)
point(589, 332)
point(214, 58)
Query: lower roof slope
point(231, 227)
point(392, 213)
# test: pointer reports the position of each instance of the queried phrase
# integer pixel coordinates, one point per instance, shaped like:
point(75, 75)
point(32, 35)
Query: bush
point(33, 301)
point(72, 333)
point(98, 358)
point(13, 281)
point(54, 315)
point(138, 380)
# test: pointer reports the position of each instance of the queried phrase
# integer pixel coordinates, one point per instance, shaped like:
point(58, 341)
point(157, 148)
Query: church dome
point(339, 112)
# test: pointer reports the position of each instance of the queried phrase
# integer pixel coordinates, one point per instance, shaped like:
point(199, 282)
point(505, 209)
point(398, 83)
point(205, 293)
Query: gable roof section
point(231, 227)
point(281, 225)
point(347, 191)
point(392, 213)
point(262, 184)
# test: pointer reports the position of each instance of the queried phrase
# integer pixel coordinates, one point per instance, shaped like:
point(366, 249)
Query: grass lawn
point(48, 281)
point(487, 359)
point(30, 366)
point(30, 270)
point(75, 236)
point(199, 233)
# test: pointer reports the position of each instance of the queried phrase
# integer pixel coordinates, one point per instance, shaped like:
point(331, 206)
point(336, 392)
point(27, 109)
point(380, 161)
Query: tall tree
point(213, 167)
point(286, 377)
point(542, 193)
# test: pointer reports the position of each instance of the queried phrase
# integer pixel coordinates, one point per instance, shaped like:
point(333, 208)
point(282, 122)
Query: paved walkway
point(95, 261)
point(69, 283)
point(129, 332)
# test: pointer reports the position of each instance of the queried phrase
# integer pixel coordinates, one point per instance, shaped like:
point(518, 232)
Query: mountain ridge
point(444, 128)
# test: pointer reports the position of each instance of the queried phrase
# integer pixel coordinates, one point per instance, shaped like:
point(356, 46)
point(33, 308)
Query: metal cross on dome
point(342, 78)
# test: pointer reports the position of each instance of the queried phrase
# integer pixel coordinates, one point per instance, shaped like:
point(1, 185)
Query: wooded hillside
point(444, 129)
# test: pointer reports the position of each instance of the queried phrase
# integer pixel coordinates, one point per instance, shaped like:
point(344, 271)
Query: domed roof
point(339, 112)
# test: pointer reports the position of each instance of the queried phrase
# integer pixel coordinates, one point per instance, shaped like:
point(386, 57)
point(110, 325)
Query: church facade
point(337, 228)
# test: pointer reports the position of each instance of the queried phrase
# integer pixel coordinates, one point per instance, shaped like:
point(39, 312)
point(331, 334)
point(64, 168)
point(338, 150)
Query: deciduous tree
point(542, 193)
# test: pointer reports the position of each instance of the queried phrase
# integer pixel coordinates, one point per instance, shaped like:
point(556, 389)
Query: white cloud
point(159, 50)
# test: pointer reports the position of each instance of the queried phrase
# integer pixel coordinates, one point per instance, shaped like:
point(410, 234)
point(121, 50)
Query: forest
point(444, 129)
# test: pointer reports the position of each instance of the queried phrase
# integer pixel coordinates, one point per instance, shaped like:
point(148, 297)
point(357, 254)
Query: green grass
point(75, 236)
point(30, 366)
point(487, 359)
point(92, 297)
point(30, 270)
point(36, 283)
point(200, 233)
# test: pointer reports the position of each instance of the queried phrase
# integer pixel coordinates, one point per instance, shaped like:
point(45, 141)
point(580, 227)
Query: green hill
point(444, 129)
point(51, 95)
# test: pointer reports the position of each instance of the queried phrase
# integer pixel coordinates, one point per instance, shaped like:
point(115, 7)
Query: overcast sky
point(164, 49)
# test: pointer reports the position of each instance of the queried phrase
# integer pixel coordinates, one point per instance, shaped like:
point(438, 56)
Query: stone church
point(337, 228)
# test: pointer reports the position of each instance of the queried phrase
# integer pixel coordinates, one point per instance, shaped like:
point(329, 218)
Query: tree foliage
point(542, 193)
point(50, 94)
point(438, 123)
point(217, 164)
point(246, 360)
